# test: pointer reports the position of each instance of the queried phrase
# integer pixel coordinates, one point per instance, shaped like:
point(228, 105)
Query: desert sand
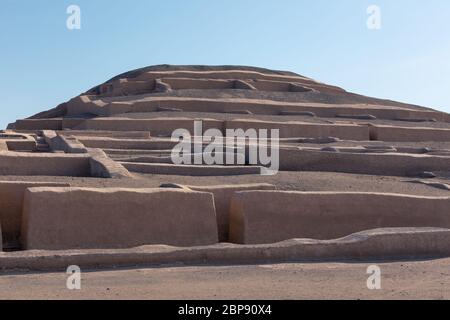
point(400, 280)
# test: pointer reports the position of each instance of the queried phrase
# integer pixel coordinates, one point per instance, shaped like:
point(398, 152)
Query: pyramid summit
point(155, 84)
point(348, 173)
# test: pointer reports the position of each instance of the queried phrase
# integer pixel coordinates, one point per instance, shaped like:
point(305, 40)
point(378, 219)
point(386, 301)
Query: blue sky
point(42, 63)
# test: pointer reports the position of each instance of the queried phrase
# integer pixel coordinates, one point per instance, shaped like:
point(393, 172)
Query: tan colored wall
point(68, 144)
point(3, 146)
point(101, 166)
point(35, 164)
point(22, 145)
point(69, 123)
point(190, 170)
point(39, 124)
point(69, 218)
point(11, 203)
point(237, 75)
point(391, 244)
point(222, 200)
point(278, 86)
point(409, 134)
point(125, 87)
point(107, 134)
point(273, 216)
point(86, 105)
point(266, 107)
point(135, 144)
point(306, 130)
point(204, 84)
point(157, 127)
point(395, 164)
point(228, 74)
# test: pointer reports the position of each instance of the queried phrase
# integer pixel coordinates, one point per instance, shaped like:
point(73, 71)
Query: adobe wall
point(392, 244)
point(136, 144)
point(202, 84)
point(59, 142)
point(278, 86)
point(11, 203)
point(272, 216)
point(229, 74)
point(44, 164)
point(84, 104)
point(157, 127)
point(21, 145)
point(266, 107)
point(101, 166)
point(206, 84)
point(395, 164)
point(108, 134)
point(69, 123)
point(237, 75)
point(165, 157)
point(116, 218)
point(304, 129)
point(126, 87)
point(39, 124)
point(190, 170)
point(3, 146)
point(222, 199)
point(409, 134)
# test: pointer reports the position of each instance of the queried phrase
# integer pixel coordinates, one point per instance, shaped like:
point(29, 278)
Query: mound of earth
point(93, 182)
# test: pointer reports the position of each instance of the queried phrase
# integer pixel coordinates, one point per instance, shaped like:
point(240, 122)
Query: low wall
point(21, 145)
point(397, 244)
point(226, 74)
point(125, 87)
point(11, 204)
point(17, 142)
point(103, 167)
point(98, 107)
point(272, 216)
point(44, 164)
point(38, 124)
point(409, 134)
point(109, 134)
point(205, 84)
point(202, 84)
point(304, 129)
point(157, 126)
point(190, 170)
point(278, 86)
point(100, 165)
point(264, 107)
point(166, 158)
point(222, 199)
point(364, 163)
point(135, 144)
point(3, 146)
point(76, 218)
point(58, 142)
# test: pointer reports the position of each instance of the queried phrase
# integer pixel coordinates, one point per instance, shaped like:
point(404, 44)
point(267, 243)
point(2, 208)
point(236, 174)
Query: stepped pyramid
point(356, 177)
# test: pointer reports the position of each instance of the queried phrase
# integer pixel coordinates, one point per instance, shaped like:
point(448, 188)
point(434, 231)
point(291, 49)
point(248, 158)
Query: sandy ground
point(399, 280)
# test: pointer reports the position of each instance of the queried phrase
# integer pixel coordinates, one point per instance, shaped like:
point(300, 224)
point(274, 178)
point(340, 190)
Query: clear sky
point(42, 63)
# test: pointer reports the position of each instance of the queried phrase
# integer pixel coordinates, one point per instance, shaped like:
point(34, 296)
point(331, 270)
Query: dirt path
point(399, 280)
